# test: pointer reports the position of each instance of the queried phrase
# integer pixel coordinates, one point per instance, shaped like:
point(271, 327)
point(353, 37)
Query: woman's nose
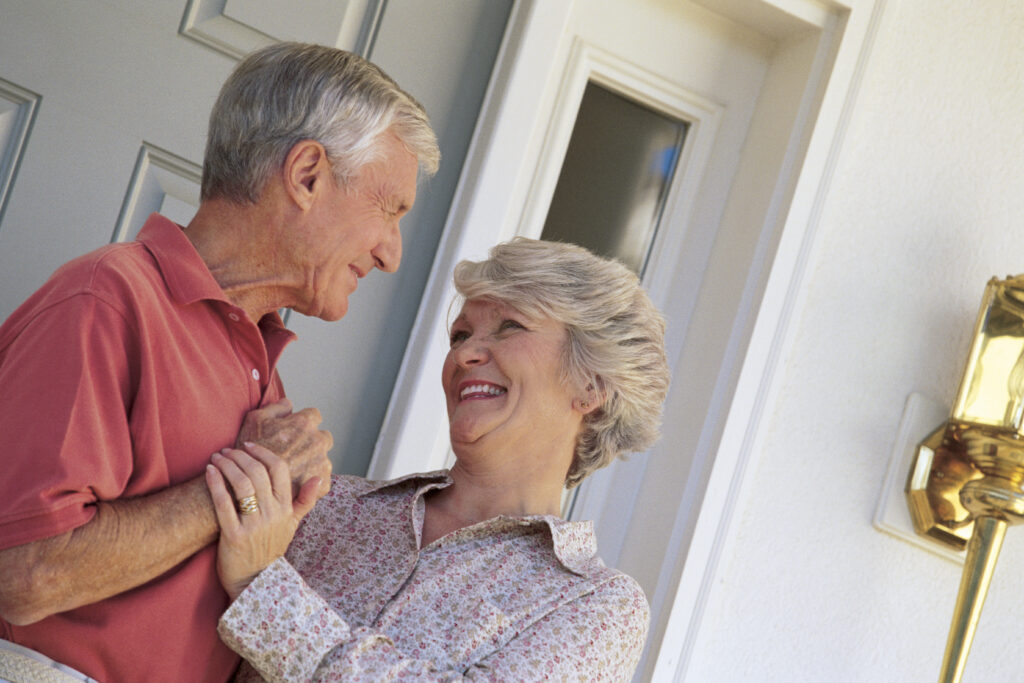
point(473, 351)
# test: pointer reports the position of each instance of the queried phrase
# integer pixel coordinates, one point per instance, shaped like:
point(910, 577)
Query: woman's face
point(502, 380)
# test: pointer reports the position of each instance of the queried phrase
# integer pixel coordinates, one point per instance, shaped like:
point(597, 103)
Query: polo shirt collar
point(438, 479)
point(573, 543)
point(187, 277)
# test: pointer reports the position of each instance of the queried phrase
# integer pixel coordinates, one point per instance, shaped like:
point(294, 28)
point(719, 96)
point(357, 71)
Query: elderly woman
point(556, 367)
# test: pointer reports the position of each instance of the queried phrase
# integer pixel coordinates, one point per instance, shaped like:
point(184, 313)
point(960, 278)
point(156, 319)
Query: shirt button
point(233, 316)
point(256, 374)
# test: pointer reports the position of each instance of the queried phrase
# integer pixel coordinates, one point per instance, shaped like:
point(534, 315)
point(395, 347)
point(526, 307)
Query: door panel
point(237, 27)
point(112, 80)
point(17, 113)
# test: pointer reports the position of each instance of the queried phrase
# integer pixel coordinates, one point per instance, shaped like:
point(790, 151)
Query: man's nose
point(387, 255)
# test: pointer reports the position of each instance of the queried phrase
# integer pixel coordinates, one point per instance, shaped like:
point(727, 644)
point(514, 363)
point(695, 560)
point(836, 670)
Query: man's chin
point(333, 316)
point(325, 313)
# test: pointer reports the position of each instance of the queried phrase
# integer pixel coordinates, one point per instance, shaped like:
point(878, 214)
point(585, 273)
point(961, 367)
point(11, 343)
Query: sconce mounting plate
point(939, 472)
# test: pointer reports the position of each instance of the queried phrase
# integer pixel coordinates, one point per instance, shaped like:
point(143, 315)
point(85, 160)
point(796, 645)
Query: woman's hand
point(251, 537)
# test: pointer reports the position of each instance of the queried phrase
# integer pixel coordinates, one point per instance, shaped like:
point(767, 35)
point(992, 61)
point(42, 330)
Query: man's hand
point(295, 438)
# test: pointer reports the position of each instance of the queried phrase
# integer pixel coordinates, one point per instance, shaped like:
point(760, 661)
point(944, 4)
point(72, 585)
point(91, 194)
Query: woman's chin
point(461, 440)
point(465, 436)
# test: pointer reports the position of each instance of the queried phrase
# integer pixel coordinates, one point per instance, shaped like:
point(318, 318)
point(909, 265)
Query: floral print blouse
point(509, 599)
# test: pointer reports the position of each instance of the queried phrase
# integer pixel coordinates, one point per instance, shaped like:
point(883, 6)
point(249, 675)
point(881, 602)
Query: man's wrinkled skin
point(294, 437)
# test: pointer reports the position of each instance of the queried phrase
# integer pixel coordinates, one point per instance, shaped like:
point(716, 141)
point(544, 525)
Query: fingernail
point(249, 444)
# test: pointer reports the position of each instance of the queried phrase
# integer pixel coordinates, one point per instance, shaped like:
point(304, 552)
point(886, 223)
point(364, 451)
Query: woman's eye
point(458, 336)
point(511, 325)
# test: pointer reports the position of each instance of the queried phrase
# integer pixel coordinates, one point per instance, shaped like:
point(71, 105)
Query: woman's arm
point(288, 632)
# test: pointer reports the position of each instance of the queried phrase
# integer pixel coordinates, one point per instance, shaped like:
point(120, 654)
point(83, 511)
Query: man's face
point(355, 229)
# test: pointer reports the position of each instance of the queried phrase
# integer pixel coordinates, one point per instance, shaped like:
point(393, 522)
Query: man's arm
point(131, 541)
point(127, 543)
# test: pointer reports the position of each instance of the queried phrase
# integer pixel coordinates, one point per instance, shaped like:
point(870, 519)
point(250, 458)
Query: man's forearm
point(127, 543)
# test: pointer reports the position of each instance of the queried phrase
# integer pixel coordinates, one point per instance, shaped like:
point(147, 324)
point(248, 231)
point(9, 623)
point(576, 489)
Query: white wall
point(925, 205)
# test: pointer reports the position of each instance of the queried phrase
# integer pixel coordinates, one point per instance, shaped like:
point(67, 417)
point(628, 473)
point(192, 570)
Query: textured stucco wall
point(926, 203)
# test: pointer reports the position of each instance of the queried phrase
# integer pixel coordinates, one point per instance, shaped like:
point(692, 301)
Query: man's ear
point(306, 170)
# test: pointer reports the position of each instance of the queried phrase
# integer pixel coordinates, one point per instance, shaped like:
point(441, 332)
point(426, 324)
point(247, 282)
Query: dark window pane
point(615, 176)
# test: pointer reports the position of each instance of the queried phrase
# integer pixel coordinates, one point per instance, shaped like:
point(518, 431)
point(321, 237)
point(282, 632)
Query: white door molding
point(837, 69)
point(589, 63)
point(484, 211)
point(741, 304)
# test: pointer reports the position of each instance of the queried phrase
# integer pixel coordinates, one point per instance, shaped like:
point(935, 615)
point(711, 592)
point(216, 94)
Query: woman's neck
point(476, 496)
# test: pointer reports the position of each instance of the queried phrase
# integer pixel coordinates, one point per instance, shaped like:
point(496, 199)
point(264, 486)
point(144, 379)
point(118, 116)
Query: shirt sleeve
point(63, 414)
point(288, 633)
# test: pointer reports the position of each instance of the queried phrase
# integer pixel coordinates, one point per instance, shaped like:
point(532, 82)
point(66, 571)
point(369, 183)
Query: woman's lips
point(469, 391)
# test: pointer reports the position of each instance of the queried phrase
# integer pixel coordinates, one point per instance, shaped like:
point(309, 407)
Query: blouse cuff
point(280, 625)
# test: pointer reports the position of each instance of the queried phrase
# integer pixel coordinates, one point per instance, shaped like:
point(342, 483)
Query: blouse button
point(234, 316)
point(256, 374)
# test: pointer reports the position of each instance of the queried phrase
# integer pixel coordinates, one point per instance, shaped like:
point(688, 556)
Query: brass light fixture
point(964, 488)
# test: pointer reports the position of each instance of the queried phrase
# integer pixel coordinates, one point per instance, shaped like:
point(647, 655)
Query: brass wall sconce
point(964, 488)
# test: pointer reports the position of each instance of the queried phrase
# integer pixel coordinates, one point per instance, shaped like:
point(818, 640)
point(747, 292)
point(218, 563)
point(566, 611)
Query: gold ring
point(248, 505)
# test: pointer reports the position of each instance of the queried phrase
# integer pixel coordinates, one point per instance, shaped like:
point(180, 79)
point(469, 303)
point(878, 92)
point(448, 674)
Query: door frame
point(820, 55)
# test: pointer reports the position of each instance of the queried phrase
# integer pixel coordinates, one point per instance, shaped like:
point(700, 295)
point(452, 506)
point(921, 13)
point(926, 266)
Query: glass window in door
point(615, 177)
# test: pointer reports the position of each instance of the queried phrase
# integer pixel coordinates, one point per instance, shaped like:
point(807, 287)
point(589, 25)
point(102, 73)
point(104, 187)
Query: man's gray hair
point(616, 337)
point(288, 92)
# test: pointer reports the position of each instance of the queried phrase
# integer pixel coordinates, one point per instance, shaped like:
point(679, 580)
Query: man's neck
point(238, 243)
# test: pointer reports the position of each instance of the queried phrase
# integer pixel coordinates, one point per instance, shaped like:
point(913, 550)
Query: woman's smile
point(475, 390)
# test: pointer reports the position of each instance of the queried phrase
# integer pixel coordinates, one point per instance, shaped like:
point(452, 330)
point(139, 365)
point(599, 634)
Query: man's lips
point(357, 273)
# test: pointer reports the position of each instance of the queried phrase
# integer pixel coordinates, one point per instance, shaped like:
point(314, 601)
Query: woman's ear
point(590, 400)
point(306, 168)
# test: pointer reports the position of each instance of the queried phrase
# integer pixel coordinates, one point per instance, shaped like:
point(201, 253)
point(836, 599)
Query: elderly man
point(136, 362)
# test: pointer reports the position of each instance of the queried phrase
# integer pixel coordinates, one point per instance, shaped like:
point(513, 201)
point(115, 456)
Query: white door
point(103, 109)
point(748, 78)
point(103, 117)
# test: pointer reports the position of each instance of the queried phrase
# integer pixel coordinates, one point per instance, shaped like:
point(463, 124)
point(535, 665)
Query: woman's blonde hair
point(616, 337)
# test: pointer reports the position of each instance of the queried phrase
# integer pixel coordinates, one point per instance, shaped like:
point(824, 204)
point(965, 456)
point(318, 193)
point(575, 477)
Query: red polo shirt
point(119, 377)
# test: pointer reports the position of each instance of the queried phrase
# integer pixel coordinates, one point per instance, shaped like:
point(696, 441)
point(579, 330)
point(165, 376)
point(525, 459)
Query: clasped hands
point(293, 437)
point(279, 467)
